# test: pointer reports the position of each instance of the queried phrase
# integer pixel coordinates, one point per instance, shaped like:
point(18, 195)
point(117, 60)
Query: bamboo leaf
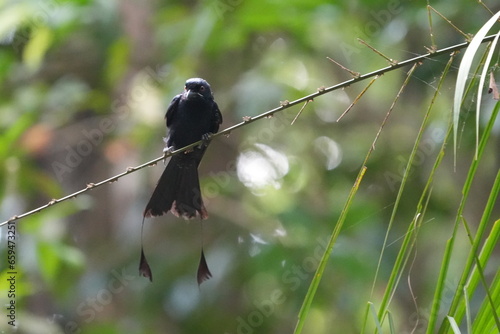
point(454, 325)
point(407, 244)
point(463, 73)
point(37, 47)
point(457, 299)
point(311, 292)
point(482, 79)
point(487, 320)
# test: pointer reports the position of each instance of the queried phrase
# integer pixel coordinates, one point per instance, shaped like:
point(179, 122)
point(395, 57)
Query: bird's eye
point(202, 88)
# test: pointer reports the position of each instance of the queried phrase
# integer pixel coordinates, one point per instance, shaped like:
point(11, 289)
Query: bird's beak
point(188, 94)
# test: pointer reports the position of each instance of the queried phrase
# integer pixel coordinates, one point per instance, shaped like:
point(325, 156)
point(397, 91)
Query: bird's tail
point(178, 189)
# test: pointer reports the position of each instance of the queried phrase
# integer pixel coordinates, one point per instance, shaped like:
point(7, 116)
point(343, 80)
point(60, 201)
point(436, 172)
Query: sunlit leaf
point(11, 17)
point(53, 255)
point(37, 47)
point(463, 73)
point(482, 79)
point(49, 261)
point(454, 325)
point(118, 58)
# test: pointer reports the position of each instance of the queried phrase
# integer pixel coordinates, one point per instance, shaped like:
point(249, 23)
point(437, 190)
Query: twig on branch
point(392, 62)
point(433, 47)
point(486, 7)
point(357, 98)
point(300, 111)
point(284, 105)
point(468, 37)
point(405, 83)
point(353, 73)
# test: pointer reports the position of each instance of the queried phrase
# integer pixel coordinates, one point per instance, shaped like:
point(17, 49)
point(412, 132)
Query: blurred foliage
point(85, 85)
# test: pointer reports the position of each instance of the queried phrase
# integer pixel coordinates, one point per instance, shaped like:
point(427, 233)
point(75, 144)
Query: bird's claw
point(166, 151)
point(206, 137)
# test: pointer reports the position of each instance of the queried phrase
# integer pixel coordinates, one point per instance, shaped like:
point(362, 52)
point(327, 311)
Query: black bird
point(191, 116)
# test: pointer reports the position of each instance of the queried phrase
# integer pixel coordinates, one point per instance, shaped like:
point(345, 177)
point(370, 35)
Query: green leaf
point(454, 325)
point(49, 261)
point(53, 255)
point(456, 304)
point(11, 17)
point(481, 85)
point(463, 73)
point(118, 59)
point(37, 47)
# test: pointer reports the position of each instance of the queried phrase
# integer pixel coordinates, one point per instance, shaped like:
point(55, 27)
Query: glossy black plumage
point(191, 116)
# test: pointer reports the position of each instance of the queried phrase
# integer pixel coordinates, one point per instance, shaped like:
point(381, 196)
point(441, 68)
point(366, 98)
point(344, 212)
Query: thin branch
point(357, 98)
point(433, 42)
point(389, 60)
point(486, 7)
point(247, 120)
point(468, 37)
point(300, 111)
point(353, 73)
point(389, 112)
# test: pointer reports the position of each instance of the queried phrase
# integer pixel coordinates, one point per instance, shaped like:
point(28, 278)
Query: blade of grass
point(428, 188)
point(313, 287)
point(436, 301)
point(479, 270)
point(375, 318)
point(392, 327)
point(399, 264)
point(487, 317)
point(454, 325)
point(467, 311)
point(405, 248)
point(481, 261)
point(463, 73)
point(486, 252)
point(465, 193)
point(398, 197)
point(365, 317)
point(482, 79)
point(469, 90)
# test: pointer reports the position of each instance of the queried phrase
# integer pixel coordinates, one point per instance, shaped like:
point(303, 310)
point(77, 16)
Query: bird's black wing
point(172, 109)
point(217, 118)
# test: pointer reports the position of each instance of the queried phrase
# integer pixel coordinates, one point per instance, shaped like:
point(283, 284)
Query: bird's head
point(196, 87)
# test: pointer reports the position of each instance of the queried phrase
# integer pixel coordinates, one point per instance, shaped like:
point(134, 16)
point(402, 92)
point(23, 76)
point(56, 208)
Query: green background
point(84, 89)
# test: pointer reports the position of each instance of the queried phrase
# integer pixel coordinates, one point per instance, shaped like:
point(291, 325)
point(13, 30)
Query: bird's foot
point(167, 151)
point(206, 138)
